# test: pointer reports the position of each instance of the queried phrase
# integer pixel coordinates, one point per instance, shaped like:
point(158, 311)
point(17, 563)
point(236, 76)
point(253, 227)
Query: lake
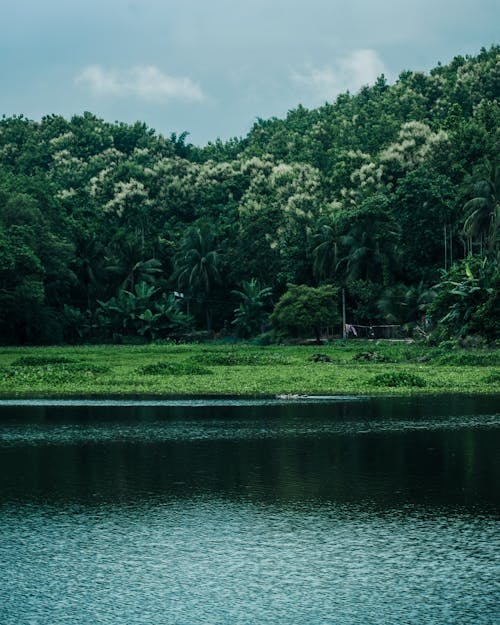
point(310, 512)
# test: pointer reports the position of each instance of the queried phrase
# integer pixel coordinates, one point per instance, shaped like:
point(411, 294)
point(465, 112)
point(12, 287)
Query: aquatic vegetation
point(321, 358)
point(40, 361)
point(173, 368)
point(474, 359)
point(493, 378)
point(399, 379)
point(244, 370)
point(236, 358)
point(51, 373)
point(371, 356)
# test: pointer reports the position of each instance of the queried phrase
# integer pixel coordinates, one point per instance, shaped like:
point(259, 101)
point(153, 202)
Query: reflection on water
point(372, 511)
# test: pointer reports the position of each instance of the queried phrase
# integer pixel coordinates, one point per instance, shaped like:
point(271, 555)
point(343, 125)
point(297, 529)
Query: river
point(319, 511)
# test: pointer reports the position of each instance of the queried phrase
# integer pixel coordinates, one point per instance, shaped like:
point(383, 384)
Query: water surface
point(349, 511)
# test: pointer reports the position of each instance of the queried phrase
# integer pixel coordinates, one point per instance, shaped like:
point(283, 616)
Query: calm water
point(354, 511)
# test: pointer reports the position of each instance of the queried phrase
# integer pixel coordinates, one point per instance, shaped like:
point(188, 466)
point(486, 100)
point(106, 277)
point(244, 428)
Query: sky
point(212, 67)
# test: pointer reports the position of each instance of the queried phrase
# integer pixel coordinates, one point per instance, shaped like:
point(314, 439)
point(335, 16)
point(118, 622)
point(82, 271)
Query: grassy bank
point(353, 367)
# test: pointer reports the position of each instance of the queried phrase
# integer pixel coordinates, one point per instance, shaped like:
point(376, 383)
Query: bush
point(472, 341)
point(371, 356)
point(320, 358)
point(398, 379)
point(263, 340)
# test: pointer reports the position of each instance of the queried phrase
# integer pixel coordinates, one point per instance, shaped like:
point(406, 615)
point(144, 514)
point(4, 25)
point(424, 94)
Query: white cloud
point(143, 81)
point(361, 67)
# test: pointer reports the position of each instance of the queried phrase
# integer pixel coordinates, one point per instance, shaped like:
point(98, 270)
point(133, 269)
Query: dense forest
point(113, 232)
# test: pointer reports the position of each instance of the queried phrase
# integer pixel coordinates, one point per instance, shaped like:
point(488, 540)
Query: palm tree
point(143, 271)
point(197, 263)
point(250, 315)
point(325, 251)
point(370, 241)
point(483, 209)
point(128, 265)
point(370, 251)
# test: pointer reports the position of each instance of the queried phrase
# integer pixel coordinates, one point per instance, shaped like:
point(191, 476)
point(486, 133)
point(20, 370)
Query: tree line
point(113, 232)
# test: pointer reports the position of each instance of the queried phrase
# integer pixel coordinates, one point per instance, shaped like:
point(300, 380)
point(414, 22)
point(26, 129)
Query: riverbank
point(347, 368)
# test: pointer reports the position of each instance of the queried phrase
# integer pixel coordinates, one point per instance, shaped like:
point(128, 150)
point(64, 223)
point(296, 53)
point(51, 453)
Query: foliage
point(250, 316)
point(362, 302)
point(483, 209)
point(406, 305)
point(375, 192)
point(399, 379)
point(302, 310)
point(141, 313)
point(197, 264)
point(320, 358)
point(467, 300)
point(52, 373)
point(371, 356)
point(370, 241)
point(470, 359)
point(114, 369)
point(173, 368)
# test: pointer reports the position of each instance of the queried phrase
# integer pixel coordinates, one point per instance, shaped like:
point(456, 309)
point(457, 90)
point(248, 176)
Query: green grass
point(346, 368)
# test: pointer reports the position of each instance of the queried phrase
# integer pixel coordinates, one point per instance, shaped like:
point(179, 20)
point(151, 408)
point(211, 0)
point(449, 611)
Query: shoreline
point(113, 399)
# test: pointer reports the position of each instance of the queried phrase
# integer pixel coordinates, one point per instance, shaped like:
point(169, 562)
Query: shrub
point(371, 356)
point(398, 379)
point(263, 340)
point(320, 358)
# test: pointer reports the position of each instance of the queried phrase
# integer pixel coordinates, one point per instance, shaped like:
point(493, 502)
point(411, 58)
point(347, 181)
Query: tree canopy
point(378, 192)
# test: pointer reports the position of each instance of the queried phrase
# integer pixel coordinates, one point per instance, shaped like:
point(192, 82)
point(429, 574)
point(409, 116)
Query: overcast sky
point(211, 67)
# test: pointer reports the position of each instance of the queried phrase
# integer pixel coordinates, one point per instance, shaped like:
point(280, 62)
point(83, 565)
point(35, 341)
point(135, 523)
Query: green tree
point(370, 241)
point(423, 206)
point(303, 310)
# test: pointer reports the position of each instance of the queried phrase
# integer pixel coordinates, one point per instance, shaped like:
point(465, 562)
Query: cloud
point(143, 81)
point(360, 68)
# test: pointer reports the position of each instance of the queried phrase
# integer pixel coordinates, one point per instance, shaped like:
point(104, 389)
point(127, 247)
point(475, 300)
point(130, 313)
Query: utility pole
point(343, 314)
